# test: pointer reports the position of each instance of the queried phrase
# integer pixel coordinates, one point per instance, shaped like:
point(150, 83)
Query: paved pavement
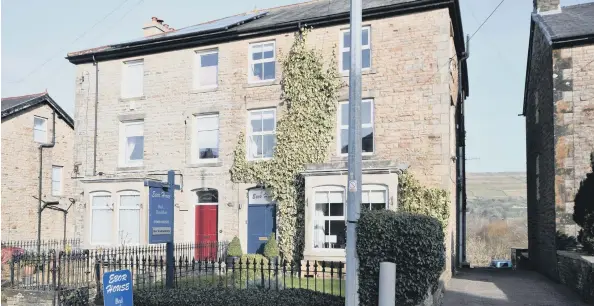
point(482, 287)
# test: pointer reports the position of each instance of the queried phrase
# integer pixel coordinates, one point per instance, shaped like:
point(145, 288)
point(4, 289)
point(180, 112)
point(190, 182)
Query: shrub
point(417, 199)
point(234, 249)
point(565, 242)
point(226, 296)
point(584, 198)
point(587, 238)
point(271, 247)
point(414, 242)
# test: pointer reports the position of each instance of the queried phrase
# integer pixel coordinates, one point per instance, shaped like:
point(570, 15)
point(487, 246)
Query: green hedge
point(414, 242)
point(223, 296)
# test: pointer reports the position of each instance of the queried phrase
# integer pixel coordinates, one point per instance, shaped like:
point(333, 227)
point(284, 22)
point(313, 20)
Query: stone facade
point(560, 92)
point(412, 81)
point(20, 176)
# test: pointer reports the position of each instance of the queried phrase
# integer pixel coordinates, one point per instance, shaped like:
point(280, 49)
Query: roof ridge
point(578, 5)
point(248, 12)
point(24, 96)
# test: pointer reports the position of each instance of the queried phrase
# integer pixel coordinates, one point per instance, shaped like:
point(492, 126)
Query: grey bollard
point(387, 284)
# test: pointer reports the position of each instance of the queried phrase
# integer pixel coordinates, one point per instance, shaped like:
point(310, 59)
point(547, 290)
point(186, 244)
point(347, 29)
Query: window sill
point(132, 99)
point(345, 74)
point(203, 90)
point(255, 160)
point(206, 164)
point(130, 168)
point(342, 157)
point(261, 84)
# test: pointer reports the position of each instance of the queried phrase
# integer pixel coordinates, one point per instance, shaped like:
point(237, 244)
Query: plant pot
point(230, 261)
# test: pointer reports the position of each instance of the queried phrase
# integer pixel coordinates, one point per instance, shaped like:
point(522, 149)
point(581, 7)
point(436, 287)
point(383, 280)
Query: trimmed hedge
point(224, 296)
point(414, 242)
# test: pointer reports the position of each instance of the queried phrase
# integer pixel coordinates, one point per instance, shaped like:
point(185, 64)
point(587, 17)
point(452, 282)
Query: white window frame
point(327, 189)
point(125, 92)
point(123, 157)
point(367, 188)
point(118, 220)
point(44, 130)
point(196, 145)
point(262, 133)
point(59, 180)
point(110, 206)
point(344, 48)
point(251, 61)
point(346, 127)
point(537, 162)
point(198, 66)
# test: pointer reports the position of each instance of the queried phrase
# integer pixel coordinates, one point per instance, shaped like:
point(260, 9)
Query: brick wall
point(20, 176)
point(411, 82)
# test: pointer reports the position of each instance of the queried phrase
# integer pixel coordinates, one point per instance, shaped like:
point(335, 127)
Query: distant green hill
point(499, 195)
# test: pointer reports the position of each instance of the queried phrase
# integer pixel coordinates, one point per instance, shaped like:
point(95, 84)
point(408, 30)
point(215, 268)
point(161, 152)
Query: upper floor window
point(207, 138)
point(129, 218)
point(132, 79)
point(40, 129)
point(262, 62)
point(262, 133)
point(132, 143)
point(345, 49)
point(206, 69)
point(366, 127)
point(57, 180)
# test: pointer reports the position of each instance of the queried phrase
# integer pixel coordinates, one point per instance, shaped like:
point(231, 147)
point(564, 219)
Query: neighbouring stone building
point(559, 111)
point(178, 99)
point(28, 123)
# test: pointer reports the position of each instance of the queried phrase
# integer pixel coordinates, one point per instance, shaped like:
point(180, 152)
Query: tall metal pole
point(354, 150)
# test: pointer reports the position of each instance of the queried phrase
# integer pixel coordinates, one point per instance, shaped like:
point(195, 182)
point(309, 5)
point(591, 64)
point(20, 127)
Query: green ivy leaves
point(310, 94)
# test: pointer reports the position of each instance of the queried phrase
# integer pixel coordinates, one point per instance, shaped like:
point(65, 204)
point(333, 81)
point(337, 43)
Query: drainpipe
point(461, 163)
point(39, 191)
point(96, 64)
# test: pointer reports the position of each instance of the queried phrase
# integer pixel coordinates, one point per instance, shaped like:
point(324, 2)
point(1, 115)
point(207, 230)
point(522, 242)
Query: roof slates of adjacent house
point(275, 16)
point(14, 105)
point(572, 21)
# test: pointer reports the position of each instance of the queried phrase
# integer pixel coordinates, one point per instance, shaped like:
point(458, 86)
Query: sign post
point(117, 288)
point(161, 218)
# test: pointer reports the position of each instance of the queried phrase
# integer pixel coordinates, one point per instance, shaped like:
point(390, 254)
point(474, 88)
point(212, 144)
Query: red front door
point(206, 232)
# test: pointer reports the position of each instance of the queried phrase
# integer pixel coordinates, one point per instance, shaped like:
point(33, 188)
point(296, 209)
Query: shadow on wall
point(507, 287)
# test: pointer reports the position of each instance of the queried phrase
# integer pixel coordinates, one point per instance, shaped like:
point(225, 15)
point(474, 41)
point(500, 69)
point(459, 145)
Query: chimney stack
point(544, 7)
point(155, 26)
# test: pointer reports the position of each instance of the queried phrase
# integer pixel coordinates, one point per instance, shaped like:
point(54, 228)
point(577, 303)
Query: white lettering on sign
point(160, 194)
point(116, 278)
point(259, 196)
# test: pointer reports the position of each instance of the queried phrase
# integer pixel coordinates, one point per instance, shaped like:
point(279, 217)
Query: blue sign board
point(160, 214)
point(117, 288)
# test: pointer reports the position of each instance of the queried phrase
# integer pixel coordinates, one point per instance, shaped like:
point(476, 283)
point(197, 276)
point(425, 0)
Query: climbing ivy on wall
point(309, 95)
point(414, 198)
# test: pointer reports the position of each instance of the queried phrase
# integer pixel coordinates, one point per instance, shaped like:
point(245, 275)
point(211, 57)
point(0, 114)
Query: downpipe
point(40, 187)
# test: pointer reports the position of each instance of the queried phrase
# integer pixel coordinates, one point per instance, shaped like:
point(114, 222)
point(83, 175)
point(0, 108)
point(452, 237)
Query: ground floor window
point(101, 219)
point(373, 197)
point(329, 219)
point(129, 225)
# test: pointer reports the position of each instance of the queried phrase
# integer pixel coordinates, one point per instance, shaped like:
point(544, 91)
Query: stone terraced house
point(559, 112)
point(29, 122)
point(178, 99)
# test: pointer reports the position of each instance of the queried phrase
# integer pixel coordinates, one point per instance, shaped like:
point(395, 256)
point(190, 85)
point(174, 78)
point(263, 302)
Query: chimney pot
point(155, 18)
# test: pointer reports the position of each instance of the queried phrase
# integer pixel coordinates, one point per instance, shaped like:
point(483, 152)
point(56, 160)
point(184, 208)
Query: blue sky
point(37, 34)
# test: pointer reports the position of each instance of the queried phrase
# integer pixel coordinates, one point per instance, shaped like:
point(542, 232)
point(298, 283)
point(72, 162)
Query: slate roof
point(572, 21)
point(306, 12)
point(12, 106)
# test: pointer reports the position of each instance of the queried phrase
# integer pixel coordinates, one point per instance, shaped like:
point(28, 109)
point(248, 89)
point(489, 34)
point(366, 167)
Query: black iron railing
point(196, 265)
